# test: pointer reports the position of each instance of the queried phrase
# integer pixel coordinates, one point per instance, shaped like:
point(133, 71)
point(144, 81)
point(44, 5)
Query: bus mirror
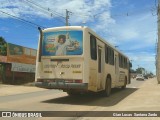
point(40, 30)
point(130, 64)
point(40, 45)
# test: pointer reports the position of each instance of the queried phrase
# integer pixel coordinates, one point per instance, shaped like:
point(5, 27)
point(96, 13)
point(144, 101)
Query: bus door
point(116, 68)
point(100, 67)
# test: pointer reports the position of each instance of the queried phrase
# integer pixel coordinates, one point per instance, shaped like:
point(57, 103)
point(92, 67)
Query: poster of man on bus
point(61, 43)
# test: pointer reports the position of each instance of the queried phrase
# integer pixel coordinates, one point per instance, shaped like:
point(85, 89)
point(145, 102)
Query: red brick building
point(17, 63)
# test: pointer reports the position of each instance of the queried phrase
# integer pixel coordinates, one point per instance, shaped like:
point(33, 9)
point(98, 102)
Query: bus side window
point(109, 55)
point(125, 63)
point(112, 56)
point(106, 54)
point(120, 61)
point(93, 47)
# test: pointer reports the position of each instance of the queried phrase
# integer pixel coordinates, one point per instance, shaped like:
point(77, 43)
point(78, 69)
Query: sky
point(131, 25)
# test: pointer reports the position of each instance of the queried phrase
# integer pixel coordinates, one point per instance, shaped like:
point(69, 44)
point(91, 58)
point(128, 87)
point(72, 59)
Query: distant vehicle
point(139, 77)
point(146, 76)
point(134, 76)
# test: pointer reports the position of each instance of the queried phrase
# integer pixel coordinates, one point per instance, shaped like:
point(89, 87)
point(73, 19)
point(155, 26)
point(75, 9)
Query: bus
point(76, 60)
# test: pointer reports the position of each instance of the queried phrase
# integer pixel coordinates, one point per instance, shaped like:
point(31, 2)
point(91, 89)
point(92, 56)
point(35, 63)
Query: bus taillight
point(78, 81)
point(69, 81)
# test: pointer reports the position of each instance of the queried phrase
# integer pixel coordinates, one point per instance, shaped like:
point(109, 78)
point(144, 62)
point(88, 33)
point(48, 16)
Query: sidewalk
point(146, 98)
point(17, 89)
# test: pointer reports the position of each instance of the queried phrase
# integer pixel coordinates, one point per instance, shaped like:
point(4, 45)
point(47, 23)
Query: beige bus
point(76, 60)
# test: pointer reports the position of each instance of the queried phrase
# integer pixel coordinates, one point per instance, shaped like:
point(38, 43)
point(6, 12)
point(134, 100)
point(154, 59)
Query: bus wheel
point(107, 91)
point(70, 93)
point(124, 86)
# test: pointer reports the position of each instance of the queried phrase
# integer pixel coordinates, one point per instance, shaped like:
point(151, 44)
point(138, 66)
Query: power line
point(121, 14)
point(23, 20)
point(125, 14)
point(35, 7)
point(131, 13)
point(44, 9)
point(48, 9)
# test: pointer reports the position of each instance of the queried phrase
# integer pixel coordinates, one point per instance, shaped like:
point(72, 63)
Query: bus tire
point(107, 91)
point(125, 83)
point(71, 93)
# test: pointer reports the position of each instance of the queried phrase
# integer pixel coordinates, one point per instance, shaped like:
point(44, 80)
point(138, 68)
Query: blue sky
point(129, 24)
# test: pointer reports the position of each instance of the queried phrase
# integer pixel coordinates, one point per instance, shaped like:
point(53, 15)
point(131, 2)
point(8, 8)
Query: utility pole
point(158, 46)
point(67, 17)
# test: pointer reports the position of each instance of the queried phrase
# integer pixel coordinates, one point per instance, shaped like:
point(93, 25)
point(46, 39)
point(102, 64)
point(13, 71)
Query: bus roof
point(82, 28)
point(64, 27)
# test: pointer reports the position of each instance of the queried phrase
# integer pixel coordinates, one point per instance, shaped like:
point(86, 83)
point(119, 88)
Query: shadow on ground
point(94, 99)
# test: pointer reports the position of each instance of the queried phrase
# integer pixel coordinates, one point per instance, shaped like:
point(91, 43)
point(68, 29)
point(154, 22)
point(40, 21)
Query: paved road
point(57, 96)
point(55, 100)
point(136, 83)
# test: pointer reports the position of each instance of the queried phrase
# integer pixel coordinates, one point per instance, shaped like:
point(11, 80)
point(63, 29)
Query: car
point(139, 77)
point(146, 76)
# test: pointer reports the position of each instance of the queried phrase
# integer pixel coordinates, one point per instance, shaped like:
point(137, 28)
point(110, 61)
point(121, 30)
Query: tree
point(3, 46)
point(150, 74)
point(140, 70)
point(132, 71)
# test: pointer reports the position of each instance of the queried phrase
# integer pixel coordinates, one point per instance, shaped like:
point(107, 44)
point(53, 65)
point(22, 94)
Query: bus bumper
point(57, 85)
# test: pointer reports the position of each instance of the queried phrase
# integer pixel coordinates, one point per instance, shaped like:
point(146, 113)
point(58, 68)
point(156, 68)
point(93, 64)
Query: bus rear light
point(73, 81)
point(78, 81)
point(49, 81)
point(68, 81)
point(45, 80)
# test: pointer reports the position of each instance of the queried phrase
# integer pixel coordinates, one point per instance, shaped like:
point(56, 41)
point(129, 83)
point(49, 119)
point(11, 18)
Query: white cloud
point(145, 60)
point(143, 57)
point(128, 34)
point(138, 28)
point(81, 9)
point(135, 32)
point(95, 11)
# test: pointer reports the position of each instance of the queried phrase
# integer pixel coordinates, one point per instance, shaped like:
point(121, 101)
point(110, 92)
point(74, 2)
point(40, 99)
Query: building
point(17, 63)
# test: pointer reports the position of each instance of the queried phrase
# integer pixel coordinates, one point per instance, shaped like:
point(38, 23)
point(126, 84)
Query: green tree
point(132, 71)
point(140, 70)
point(3, 46)
point(150, 74)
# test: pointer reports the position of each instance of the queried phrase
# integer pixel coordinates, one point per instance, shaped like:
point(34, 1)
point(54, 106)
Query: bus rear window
point(61, 43)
